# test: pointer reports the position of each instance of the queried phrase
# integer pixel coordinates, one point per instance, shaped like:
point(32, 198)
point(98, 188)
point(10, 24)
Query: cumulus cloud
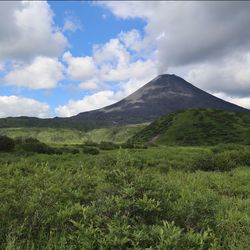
point(114, 64)
point(79, 68)
point(95, 101)
point(111, 62)
point(42, 73)
point(89, 85)
point(132, 39)
point(209, 42)
point(231, 75)
point(20, 106)
point(27, 30)
point(217, 29)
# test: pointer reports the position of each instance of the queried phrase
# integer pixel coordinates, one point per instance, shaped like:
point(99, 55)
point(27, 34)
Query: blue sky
point(59, 58)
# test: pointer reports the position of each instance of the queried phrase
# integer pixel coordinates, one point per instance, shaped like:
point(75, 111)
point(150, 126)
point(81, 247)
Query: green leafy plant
point(6, 143)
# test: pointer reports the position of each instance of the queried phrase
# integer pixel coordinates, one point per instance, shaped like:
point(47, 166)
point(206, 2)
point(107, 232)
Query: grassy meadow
point(161, 197)
point(61, 136)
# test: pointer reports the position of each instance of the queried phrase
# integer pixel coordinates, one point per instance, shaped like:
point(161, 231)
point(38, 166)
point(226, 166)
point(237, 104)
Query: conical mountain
point(163, 95)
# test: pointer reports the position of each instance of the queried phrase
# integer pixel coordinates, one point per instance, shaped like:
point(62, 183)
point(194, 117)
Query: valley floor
point(155, 198)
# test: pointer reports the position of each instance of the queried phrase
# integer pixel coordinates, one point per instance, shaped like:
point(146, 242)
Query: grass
point(73, 136)
point(124, 199)
point(197, 127)
point(183, 192)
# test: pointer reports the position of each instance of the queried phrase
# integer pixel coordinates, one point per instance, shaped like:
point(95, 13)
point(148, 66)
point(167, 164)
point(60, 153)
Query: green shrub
point(6, 143)
point(241, 158)
point(104, 145)
point(123, 202)
point(69, 150)
point(226, 147)
point(127, 145)
point(90, 150)
point(90, 144)
point(35, 146)
point(41, 148)
point(213, 162)
point(131, 145)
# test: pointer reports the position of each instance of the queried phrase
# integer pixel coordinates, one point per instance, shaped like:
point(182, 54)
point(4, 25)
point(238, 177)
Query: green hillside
point(73, 136)
point(197, 127)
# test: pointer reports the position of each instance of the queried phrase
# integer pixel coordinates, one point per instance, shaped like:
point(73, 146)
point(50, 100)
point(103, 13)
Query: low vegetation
point(197, 127)
point(139, 198)
point(6, 143)
point(63, 136)
point(159, 190)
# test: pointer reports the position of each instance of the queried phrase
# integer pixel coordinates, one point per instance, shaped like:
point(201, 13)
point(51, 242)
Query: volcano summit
point(163, 95)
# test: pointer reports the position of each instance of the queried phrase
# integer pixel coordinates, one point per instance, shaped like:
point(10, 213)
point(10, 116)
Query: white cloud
point(95, 101)
point(27, 30)
point(243, 101)
point(71, 24)
point(89, 85)
point(79, 68)
point(2, 66)
point(212, 49)
point(217, 29)
point(112, 62)
point(42, 73)
point(20, 106)
point(132, 40)
point(112, 53)
point(112, 65)
point(231, 75)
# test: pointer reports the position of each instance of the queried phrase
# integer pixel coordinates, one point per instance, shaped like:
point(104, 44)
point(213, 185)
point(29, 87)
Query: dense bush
point(214, 162)
point(240, 157)
point(131, 145)
point(91, 150)
point(104, 145)
point(70, 150)
point(90, 144)
point(110, 202)
point(127, 145)
point(6, 143)
point(35, 146)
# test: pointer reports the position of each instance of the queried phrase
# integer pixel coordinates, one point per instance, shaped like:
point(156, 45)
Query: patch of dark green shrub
point(127, 145)
point(90, 144)
point(35, 146)
point(90, 150)
point(213, 162)
point(6, 143)
point(105, 145)
point(241, 157)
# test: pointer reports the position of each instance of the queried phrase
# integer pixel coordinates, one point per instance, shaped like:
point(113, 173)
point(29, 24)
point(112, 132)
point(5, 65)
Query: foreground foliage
point(139, 199)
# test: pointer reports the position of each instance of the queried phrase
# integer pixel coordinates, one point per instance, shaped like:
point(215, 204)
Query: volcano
point(162, 95)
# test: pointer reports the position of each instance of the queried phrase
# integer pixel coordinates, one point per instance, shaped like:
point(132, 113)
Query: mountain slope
point(197, 127)
point(161, 96)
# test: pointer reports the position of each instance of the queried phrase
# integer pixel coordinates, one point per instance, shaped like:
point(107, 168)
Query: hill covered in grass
point(197, 127)
point(118, 134)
